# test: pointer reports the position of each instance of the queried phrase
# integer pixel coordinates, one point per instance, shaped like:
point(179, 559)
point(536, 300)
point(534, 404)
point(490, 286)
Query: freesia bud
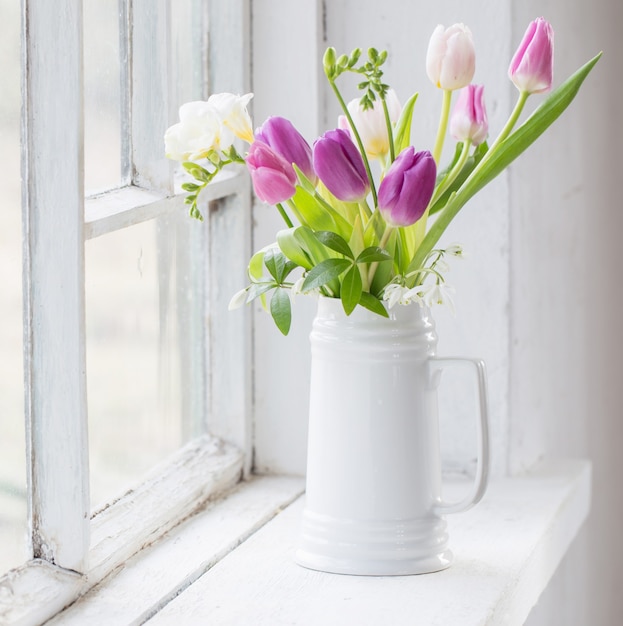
point(232, 110)
point(340, 166)
point(371, 124)
point(280, 134)
point(273, 178)
point(532, 67)
point(407, 187)
point(451, 57)
point(469, 118)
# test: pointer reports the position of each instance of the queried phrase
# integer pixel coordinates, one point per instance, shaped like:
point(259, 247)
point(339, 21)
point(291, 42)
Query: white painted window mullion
point(52, 122)
point(150, 59)
point(229, 245)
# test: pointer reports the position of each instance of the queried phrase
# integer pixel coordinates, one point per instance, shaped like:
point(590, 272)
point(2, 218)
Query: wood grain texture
point(506, 549)
point(54, 324)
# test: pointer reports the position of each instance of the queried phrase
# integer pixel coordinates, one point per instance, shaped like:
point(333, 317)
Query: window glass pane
point(12, 441)
point(145, 360)
point(102, 96)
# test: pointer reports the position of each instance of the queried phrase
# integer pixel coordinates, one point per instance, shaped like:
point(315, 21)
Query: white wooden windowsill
point(233, 564)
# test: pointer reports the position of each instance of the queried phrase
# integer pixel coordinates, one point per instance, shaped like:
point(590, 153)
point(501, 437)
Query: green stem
point(283, 213)
point(443, 125)
point(510, 123)
point(357, 138)
point(382, 244)
point(453, 173)
point(390, 132)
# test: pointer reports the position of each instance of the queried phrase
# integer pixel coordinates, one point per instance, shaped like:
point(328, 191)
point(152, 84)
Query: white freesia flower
point(233, 114)
point(197, 132)
point(371, 123)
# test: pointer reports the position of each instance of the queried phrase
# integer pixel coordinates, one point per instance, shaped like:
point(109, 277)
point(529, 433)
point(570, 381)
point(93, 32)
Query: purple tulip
point(273, 178)
point(469, 118)
point(532, 67)
point(340, 166)
point(281, 135)
point(407, 187)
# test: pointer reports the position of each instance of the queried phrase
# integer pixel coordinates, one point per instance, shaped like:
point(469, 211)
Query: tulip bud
point(273, 178)
point(340, 166)
point(407, 188)
point(371, 124)
point(280, 134)
point(532, 67)
point(451, 57)
point(469, 118)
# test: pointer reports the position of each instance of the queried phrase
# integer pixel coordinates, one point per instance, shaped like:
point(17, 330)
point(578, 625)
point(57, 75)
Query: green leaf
point(191, 187)
point(292, 249)
point(256, 264)
point(368, 301)
point(281, 310)
point(402, 134)
point(275, 262)
point(325, 272)
point(318, 214)
point(307, 239)
point(352, 287)
point(374, 254)
point(257, 289)
point(334, 242)
point(469, 166)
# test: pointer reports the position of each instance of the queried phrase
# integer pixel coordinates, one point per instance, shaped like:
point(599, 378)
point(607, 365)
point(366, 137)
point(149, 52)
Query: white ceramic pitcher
point(373, 501)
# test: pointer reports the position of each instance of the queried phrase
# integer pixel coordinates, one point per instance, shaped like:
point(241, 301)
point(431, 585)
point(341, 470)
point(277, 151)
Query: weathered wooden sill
point(233, 564)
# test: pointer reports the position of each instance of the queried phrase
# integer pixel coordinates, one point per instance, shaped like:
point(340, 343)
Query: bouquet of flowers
point(369, 240)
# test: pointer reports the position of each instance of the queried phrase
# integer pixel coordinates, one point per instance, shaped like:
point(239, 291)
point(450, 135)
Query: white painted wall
point(537, 298)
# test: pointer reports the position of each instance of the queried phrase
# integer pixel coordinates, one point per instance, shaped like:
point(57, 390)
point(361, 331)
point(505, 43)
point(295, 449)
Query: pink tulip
point(273, 177)
point(407, 187)
point(451, 57)
point(281, 135)
point(469, 118)
point(532, 67)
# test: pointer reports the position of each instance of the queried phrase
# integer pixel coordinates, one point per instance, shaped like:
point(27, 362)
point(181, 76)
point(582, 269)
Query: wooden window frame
point(71, 549)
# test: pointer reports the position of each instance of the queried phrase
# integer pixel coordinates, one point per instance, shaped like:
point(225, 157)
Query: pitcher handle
point(482, 468)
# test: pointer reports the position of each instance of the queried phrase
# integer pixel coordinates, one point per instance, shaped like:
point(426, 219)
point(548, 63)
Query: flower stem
point(453, 173)
point(443, 125)
point(283, 214)
point(382, 244)
point(390, 132)
point(357, 138)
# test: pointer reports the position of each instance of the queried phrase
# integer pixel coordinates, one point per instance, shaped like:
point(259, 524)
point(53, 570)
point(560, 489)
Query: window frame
point(56, 223)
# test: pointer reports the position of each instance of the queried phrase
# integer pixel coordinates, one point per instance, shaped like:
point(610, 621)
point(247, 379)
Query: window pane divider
point(120, 208)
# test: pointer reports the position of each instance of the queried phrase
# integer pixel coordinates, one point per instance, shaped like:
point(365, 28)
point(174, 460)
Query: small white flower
point(395, 294)
point(439, 293)
point(238, 300)
point(455, 249)
point(296, 288)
